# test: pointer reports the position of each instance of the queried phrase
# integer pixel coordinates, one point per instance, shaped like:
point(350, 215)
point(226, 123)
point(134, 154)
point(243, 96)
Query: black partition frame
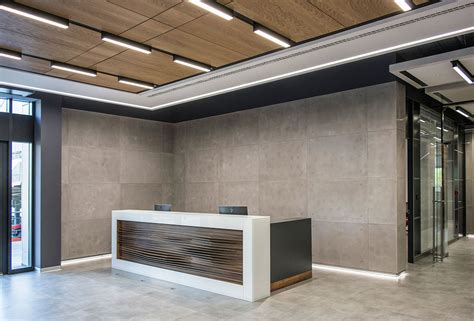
point(4, 213)
point(15, 128)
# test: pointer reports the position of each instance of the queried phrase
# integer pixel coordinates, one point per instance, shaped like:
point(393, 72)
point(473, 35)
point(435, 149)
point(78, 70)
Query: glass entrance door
point(3, 207)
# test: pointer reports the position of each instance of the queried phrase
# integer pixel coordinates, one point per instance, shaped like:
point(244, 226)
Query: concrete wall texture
point(338, 158)
point(109, 162)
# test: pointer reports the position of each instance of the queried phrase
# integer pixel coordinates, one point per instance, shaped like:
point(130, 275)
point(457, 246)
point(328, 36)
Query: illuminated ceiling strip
point(6, 83)
point(405, 5)
point(123, 42)
point(378, 275)
point(191, 63)
point(272, 36)
point(321, 66)
point(463, 112)
point(136, 83)
point(215, 8)
point(10, 54)
point(463, 72)
point(74, 69)
point(34, 14)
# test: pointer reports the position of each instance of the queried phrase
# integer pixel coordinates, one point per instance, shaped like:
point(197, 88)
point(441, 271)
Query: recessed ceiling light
point(272, 36)
point(136, 83)
point(126, 43)
point(31, 13)
point(215, 8)
point(10, 54)
point(191, 63)
point(75, 69)
point(462, 71)
point(463, 112)
point(405, 5)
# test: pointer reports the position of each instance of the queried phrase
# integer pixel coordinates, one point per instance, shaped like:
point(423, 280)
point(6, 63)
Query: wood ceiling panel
point(148, 8)
point(351, 12)
point(146, 31)
point(34, 46)
point(157, 68)
point(296, 19)
point(74, 38)
point(97, 54)
point(180, 14)
point(27, 63)
point(235, 35)
point(97, 13)
point(190, 46)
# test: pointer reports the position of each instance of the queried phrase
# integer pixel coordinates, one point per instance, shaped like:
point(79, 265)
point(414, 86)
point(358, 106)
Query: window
point(21, 107)
point(3, 105)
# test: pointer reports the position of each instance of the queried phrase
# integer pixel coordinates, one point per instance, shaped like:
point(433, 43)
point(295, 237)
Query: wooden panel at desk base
point(207, 252)
point(291, 280)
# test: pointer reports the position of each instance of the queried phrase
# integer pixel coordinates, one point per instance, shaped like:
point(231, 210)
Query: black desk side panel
point(291, 252)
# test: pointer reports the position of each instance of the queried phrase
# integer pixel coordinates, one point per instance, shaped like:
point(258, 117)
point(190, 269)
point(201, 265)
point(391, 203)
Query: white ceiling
point(440, 78)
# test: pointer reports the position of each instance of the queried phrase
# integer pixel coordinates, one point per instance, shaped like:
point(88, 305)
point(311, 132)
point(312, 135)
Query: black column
point(47, 182)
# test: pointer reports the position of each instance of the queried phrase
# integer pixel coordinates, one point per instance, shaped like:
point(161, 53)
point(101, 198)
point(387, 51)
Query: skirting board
point(86, 259)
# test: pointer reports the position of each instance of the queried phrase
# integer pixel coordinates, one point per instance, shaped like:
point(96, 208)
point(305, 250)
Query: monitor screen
point(162, 207)
point(233, 210)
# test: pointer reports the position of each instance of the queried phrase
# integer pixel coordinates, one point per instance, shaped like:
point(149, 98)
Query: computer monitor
point(162, 207)
point(233, 210)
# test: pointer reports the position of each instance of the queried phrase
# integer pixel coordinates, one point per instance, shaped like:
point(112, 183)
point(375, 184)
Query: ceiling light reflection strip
point(34, 14)
point(271, 35)
point(10, 54)
point(405, 5)
point(123, 42)
point(214, 8)
point(322, 66)
point(462, 71)
point(191, 63)
point(74, 69)
point(136, 83)
point(379, 275)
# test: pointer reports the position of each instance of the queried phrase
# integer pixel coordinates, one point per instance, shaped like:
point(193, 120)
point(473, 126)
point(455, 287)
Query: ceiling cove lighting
point(463, 112)
point(74, 69)
point(215, 8)
point(119, 41)
point(191, 63)
point(462, 71)
point(320, 66)
point(10, 54)
point(379, 275)
point(271, 35)
point(405, 5)
point(34, 14)
point(135, 83)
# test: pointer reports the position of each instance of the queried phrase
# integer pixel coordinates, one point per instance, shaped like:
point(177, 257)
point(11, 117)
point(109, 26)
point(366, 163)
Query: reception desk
point(225, 254)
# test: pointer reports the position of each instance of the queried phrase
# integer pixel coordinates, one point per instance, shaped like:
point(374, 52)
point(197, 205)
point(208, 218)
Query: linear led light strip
point(405, 5)
point(34, 14)
point(463, 112)
point(191, 63)
point(125, 43)
point(10, 54)
point(136, 83)
point(321, 66)
point(462, 71)
point(272, 36)
point(86, 259)
point(215, 8)
point(74, 69)
point(378, 275)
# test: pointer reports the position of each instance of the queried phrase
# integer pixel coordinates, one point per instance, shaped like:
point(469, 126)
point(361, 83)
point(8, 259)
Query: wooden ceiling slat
point(295, 19)
point(106, 81)
point(193, 47)
point(146, 31)
point(101, 14)
point(148, 8)
point(27, 63)
point(351, 12)
point(235, 35)
point(180, 14)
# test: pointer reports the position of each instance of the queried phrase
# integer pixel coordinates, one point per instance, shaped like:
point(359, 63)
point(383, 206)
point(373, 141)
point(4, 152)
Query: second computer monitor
point(233, 210)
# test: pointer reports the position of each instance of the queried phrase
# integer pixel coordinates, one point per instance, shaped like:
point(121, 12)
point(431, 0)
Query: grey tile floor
point(93, 291)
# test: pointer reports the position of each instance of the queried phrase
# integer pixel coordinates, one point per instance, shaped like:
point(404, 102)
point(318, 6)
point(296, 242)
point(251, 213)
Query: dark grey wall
point(47, 175)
